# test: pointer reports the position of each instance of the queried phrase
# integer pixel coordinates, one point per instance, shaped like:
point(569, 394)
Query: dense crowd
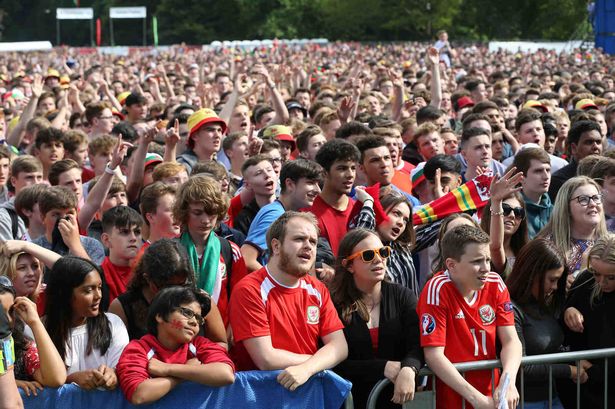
point(180, 215)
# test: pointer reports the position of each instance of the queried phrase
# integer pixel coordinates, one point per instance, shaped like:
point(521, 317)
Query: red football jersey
point(466, 330)
point(295, 318)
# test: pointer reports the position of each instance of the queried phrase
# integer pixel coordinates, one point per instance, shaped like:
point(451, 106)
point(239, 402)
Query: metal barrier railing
point(561, 357)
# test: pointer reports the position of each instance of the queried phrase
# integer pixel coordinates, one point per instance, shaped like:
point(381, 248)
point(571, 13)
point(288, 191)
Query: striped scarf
point(471, 196)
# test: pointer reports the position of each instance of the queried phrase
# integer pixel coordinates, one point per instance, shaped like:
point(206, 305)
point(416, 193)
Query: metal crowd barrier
point(428, 401)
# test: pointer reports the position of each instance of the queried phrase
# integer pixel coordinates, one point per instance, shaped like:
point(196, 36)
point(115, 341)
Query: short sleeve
point(247, 313)
point(119, 340)
point(432, 319)
point(257, 235)
point(31, 359)
point(505, 315)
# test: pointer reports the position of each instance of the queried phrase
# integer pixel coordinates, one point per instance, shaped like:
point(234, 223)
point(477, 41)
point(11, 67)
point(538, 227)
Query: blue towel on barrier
point(259, 389)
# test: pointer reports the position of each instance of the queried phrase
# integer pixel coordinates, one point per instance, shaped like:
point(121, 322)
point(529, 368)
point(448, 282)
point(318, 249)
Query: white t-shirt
point(76, 359)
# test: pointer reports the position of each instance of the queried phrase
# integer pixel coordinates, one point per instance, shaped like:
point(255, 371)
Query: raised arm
point(135, 179)
point(500, 188)
point(433, 56)
point(47, 257)
point(101, 189)
point(277, 101)
point(52, 371)
point(14, 138)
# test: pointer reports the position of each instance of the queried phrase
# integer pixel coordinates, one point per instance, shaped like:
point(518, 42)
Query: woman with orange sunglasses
point(381, 324)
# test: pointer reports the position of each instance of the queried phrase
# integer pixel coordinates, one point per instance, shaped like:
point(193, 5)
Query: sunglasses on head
point(519, 212)
point(188, 313)
point(368, 255)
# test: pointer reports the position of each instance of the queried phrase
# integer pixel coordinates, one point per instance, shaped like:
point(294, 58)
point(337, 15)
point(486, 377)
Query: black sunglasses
point(518, 211)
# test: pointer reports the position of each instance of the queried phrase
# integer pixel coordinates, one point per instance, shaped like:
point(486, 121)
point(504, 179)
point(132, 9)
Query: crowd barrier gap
point(427, 399)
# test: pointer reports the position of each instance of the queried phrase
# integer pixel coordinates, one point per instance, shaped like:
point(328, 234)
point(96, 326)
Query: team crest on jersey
point(222, 269)
point(428, 323)
point(487, 315)
point(508, 307)
point(313, 314)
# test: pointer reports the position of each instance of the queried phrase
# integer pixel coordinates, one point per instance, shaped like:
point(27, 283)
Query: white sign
point(79, 13)
point(127, 12)
point(26, 46)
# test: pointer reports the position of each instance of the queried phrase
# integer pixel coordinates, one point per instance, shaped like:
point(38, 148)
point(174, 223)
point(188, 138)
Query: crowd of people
point(181, 215)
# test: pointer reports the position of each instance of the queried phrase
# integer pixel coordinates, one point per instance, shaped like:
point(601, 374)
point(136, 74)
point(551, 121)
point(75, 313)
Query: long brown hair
point(531, 266)
point(389, 199)
point(344, 292)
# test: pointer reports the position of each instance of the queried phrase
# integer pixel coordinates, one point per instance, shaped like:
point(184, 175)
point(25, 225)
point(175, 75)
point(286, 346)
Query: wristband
point(498, 213)
point(109, 170)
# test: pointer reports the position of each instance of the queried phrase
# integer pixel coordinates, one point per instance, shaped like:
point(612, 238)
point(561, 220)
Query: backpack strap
point(14, 222)
point(227, 253)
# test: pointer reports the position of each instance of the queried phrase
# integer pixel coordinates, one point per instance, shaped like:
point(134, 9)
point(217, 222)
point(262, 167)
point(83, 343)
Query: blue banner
point(259, 389)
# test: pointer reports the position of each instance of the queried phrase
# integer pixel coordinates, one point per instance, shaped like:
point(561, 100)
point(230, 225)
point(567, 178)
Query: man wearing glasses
point(100, 119)
point(279, 314)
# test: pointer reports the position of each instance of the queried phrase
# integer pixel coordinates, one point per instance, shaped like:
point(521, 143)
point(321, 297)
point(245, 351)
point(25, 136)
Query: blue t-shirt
point(257, 235)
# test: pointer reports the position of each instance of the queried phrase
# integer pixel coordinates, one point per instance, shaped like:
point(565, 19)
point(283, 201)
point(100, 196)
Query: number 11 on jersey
point(483, 337)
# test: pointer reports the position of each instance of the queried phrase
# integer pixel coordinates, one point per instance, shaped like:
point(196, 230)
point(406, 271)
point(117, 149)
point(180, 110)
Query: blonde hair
point(560, 224)
point(603, 249)
point(8, 267)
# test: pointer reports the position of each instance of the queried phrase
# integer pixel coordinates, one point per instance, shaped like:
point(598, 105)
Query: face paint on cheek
point(177, 324)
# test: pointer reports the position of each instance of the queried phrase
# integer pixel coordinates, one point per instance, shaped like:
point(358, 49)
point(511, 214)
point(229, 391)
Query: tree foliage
point(364, 20)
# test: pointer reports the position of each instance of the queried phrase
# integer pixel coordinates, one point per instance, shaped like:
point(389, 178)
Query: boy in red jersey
point(462, 310)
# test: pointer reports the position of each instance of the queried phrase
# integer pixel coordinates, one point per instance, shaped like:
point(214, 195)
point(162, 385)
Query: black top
point(243, 220)
point(135, 309)
point(561, 176)
point(398, 340)
point(599, 332)
point(540, 333)
point(5, 329)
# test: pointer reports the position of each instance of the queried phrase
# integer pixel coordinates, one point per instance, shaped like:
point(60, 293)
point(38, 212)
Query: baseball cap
point(52, 73)
point(134, 98)
point(536, 105)
point(586, 104)
point(121, 98)
point(204, 116)
point(464, 102)
point(292, 104)
point(152, 158)
point(281, 133)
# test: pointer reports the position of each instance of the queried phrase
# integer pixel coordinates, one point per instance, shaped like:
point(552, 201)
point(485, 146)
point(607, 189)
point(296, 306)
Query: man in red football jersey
point(462, 310)
point(280, 313)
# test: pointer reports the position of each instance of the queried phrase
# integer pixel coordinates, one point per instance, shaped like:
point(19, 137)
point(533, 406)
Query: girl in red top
point(172, 351)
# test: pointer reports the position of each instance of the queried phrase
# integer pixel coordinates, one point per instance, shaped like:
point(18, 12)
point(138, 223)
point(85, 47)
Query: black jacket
point(398, 340)
point(540, 333)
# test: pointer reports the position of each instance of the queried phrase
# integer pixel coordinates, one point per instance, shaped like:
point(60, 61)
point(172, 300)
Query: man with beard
point(279, 314)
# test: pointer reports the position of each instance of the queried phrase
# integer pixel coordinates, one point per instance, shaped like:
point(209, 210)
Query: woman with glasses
point(504, 219)
point(577, 221)
point(89, 341)
point(396, 232)
point(537, 287)
point(172, 351)
point(381, 325)
point(37, 362)
point(164, 264)
point(589, 318)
